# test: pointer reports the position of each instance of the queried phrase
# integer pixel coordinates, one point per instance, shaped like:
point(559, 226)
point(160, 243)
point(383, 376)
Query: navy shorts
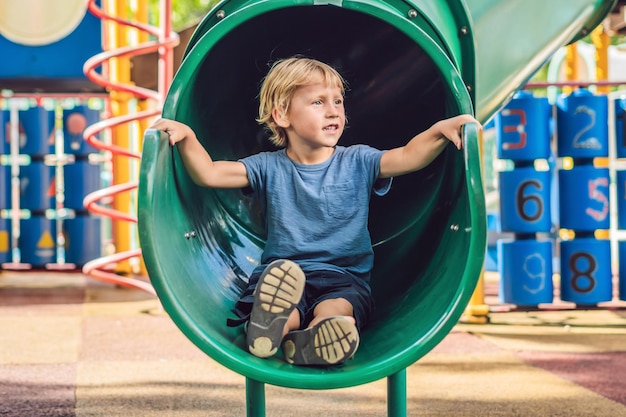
point(320, 286)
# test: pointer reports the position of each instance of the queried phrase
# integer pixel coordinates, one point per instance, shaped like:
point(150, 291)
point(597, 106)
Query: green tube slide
point(408, 64)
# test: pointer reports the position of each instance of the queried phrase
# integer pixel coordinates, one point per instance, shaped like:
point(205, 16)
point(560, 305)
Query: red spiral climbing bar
point(164, 43)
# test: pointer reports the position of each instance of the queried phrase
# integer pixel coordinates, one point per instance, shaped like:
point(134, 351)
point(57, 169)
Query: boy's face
point(316, 116)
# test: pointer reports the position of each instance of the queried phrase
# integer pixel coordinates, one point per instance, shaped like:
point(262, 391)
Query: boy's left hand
point(451, 128)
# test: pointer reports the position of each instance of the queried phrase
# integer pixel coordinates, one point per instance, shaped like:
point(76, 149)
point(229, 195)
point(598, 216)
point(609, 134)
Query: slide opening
point(397, 88)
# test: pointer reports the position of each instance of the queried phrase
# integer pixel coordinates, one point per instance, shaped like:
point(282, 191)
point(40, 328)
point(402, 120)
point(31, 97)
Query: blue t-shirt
point(317, 215)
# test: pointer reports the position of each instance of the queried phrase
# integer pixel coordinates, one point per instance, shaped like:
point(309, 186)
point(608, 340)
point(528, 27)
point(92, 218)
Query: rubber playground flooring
point(73, 346)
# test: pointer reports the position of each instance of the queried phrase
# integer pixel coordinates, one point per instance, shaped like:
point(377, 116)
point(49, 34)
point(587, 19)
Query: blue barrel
point(81, 178)
point(36, 186)
point(620, 132)
point(74, 123)
point(491, 256)
point(582, 131)
point(5, 186)
point(584, 198)
point(525, 200)
point(525, 272)
point(621, 249)
point(5, 118)
point(37, 241)
point(36, 131)
point(83, 239)
point(523, 128)
point(5, 240)
point(586, 271)
point(621, 199)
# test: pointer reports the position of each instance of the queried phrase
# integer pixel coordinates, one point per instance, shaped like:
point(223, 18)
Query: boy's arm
point(198, 163)
point(423, 148)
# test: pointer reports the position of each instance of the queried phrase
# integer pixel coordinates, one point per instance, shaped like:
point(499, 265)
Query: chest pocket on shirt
point(341, 200)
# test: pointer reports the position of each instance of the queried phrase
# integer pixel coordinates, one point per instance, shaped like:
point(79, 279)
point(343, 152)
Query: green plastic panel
point(514, 38)
point(408, 64)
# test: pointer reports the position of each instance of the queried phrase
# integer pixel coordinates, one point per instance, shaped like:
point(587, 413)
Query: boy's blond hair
point(280, 84)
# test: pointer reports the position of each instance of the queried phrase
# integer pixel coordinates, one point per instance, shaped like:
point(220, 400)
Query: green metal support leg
point(396, 394)
point(255, 398)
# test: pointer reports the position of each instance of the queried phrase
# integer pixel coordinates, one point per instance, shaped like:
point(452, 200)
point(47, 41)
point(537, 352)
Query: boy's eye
point(338, 101)
point(317, 102)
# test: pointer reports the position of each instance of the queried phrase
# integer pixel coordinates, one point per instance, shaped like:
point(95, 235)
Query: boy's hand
point(451, 128)
point(176, 130)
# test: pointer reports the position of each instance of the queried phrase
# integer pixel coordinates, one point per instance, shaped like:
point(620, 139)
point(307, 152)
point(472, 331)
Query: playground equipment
point(53, 229)
point(46, 167)
point(408, 64)
point(45, 104)
point(116, 78)
point(575, 129)
point(588, 217)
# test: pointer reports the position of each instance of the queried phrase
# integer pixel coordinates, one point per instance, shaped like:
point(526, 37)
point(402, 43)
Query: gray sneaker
point(330, 342)
point(276, 295)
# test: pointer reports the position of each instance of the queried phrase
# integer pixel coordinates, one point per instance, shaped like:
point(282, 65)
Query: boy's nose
point(332, 111)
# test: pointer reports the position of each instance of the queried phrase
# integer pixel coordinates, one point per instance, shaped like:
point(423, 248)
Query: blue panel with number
point(523, 128)
point(620, 132)
point(586, 271)
point(584, 198)
point(582, 130)
point(525, 272)
point(525, 200)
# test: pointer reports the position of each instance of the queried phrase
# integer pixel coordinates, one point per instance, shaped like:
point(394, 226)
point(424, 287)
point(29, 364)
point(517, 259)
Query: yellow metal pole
point(120, 73)
point(571, 66)
point(477, 312)
point(601, 40)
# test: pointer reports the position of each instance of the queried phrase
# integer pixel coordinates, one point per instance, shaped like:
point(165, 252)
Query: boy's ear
point(280, 118)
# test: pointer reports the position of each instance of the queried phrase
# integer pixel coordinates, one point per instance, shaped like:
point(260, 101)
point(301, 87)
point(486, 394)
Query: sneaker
point(330, 342)
point(277, 293)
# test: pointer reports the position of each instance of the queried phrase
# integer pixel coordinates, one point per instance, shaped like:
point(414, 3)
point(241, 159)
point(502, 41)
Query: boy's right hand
point(177, 131)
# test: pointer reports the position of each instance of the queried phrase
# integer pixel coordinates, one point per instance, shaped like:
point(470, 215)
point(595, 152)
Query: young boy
point(311, 292)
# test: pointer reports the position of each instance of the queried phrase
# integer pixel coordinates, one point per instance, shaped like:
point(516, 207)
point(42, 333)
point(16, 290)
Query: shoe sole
point(330, 342)
point(276, 295)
